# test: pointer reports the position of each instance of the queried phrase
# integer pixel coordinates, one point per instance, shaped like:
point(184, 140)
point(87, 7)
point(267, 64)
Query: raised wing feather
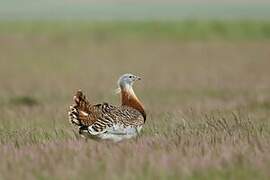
point(82, 113)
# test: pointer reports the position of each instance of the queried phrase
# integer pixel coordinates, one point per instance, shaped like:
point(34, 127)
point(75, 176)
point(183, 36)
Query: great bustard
point(105, 121)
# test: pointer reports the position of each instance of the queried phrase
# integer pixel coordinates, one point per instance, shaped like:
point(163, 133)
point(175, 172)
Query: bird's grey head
point(127, 80)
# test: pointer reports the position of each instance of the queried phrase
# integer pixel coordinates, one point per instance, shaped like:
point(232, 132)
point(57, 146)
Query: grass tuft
point(24, 101)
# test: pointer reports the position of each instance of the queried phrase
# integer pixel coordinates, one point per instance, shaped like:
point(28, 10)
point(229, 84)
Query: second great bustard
point(105, 121)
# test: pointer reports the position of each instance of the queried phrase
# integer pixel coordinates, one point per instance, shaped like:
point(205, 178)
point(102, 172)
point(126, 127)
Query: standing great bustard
point(105, 121)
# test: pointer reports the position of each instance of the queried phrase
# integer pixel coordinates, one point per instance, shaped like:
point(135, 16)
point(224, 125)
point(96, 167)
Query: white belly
point(118, 133)
point(115, 133)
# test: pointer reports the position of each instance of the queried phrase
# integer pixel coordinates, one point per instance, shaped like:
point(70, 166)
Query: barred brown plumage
point(105, 121)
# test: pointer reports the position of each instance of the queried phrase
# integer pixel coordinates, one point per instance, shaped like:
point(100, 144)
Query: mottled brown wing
point(122, 116)
point(129, 116)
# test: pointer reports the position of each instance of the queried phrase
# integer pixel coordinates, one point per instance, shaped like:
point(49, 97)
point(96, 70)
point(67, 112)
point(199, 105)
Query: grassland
point(173, 30)
point(205, 87)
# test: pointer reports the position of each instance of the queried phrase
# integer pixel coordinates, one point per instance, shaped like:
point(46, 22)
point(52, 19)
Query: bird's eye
point(130, 76)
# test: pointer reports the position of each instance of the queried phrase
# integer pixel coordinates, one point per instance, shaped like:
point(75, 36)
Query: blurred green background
point(133, 10)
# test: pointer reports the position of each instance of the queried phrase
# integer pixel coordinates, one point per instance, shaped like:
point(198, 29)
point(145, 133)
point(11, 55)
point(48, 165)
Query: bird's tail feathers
point(78, 112)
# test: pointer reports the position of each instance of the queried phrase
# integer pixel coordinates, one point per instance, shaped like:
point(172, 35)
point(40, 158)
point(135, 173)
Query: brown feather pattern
point(102, 116)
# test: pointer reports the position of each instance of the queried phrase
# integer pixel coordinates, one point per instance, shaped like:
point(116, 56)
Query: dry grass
point(208, 107)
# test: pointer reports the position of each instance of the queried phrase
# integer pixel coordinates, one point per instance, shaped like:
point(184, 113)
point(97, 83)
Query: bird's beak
point(138, 78)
